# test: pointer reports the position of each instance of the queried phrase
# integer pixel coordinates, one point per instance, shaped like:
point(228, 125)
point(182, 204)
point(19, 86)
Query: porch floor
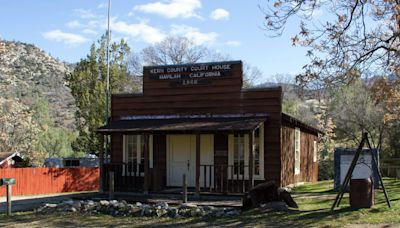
point(175, 198)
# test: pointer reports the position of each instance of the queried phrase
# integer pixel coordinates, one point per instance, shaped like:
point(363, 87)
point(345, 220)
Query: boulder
point(162, 204)
point(188, 205)
point(274, 206)
point(267, 192)
point(196, 212)
point(287, 198)
point(264, 192)
point(161, 212)
point(104, 203)
point(138, 204)
point(232, 213)
point(50, 205)
point(173, 212)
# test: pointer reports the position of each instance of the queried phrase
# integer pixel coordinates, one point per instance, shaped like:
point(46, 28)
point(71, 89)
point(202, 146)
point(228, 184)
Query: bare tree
point(353, 36)
point(181, 50)
point(174, 50)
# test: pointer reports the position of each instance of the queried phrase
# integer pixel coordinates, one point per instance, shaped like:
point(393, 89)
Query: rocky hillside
point(27, 71)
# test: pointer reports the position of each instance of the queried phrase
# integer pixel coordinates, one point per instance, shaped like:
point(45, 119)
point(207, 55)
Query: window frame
point(139, 148)
point(315, 152)
point(297, 151)
point(261, 158)
point(231, 154)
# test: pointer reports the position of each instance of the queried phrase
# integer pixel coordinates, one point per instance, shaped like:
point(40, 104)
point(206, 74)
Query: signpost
point(8, 182)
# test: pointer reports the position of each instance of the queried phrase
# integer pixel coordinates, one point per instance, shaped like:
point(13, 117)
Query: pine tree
point(88, 86)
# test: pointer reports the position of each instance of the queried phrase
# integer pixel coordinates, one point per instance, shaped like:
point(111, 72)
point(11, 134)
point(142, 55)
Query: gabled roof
point(4, 156)
point(299, 123)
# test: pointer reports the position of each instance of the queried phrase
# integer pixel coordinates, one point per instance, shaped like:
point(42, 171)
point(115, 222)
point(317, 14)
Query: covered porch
point(158, 150)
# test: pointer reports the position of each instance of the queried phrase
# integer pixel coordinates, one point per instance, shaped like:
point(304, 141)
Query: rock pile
point(123, 208)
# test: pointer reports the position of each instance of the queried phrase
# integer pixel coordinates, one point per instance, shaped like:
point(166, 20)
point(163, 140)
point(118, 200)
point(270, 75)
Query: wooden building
point(10, 159)
point(196, 119)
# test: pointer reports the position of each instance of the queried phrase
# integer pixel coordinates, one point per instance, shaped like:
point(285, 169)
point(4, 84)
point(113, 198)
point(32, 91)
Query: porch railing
point(224, 178)
point(127, 176)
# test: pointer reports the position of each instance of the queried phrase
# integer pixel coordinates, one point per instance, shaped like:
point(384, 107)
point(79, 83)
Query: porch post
point(101, 162)
point(251, 161)
point(198, 164)
point(146, 164)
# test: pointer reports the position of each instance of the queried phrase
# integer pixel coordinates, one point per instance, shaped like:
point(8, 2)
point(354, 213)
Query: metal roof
point(208, 124)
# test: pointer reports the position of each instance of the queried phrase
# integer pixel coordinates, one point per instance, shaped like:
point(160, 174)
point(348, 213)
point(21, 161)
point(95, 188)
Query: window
point(238, 151)
point(315, 151)
point(238, 154)
point(133, 154)
point(297, 151)
point(71, 163)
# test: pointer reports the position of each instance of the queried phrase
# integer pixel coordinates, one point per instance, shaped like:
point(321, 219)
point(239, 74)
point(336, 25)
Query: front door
point(181, 152)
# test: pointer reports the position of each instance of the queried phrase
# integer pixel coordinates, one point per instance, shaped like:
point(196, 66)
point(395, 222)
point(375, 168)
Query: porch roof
point(185, 124)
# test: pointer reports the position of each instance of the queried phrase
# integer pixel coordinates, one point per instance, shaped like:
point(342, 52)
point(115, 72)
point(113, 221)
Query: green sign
point(7, 181)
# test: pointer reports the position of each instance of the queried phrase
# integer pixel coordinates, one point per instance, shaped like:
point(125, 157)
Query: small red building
point(196, 119)
point(9, 159)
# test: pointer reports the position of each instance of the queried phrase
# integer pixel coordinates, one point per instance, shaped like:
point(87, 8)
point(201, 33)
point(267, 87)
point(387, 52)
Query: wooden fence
point(33, 181)
point(390, 167)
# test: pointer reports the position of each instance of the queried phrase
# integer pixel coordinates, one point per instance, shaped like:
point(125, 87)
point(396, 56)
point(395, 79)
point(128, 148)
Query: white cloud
point(194, 34)
point(219, 14)
point(141, 31)
point(102, 5)
point(85, 14)
point(172, 8)
point(67, 38)
point(233, 43)
point(74, 24)
point(89, 31)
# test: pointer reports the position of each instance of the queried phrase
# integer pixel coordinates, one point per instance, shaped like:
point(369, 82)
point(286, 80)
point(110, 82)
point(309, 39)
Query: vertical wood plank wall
point(308, 168)
point(223, 95)
point(33, 181)
point(223, 101)
point(159, 162)
point(220, 158)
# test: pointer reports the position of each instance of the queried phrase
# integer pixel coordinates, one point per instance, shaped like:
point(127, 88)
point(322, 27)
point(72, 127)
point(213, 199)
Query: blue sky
point(67, 28)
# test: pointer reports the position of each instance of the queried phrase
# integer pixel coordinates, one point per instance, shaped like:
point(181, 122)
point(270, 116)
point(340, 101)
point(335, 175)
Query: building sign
point(185, 75)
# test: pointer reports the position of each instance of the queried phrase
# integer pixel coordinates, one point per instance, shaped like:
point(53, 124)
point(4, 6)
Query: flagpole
point(108, 60)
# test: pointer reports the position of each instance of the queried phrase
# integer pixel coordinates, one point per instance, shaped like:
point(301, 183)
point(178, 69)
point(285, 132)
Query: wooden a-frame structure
point(353, 164)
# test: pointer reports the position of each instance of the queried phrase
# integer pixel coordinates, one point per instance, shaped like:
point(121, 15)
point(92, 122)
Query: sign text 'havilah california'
point(196, 74)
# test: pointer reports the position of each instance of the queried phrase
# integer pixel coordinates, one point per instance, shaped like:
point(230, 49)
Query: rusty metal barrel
point(361, 193)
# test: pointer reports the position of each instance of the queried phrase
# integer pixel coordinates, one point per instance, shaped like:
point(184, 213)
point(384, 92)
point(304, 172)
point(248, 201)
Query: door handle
point(188, 164)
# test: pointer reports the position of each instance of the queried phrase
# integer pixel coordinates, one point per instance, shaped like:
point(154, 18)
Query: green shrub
point(325, 170)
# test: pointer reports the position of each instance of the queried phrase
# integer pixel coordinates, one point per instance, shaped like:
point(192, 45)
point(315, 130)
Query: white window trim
point(315, 151)
point(246, 156)
point(297, 169)
point(231, 146)
point(139, 149)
